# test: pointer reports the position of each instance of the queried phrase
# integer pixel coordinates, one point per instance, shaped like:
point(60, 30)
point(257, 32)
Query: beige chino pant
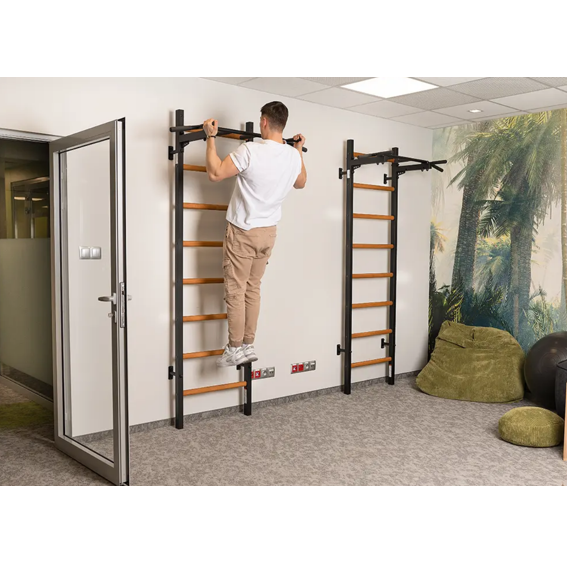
point(245, 256)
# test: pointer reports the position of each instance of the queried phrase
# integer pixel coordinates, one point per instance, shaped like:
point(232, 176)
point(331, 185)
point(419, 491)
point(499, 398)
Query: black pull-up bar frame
point(192, 133)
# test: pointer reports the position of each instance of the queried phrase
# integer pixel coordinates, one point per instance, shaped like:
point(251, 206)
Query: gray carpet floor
point(380, 435)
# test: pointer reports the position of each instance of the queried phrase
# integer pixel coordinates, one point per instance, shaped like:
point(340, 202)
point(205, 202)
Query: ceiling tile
point(498, 87)
point(546, 109)
point(462, 111)
point(459, 123)
point(447, 81)
point(285, 86)
point(426, 119)
point(336, 81)
point(230, 80)
point(539, 99)
point(498, 116)
point(434, 99)
point(385, 109)
point(340, 98)
point(551, 81)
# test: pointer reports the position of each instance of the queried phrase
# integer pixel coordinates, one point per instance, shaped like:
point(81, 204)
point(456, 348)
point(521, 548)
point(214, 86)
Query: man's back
point(267, 172)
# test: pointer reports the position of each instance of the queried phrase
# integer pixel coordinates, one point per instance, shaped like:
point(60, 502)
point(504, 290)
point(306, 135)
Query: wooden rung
point(359, 276)
point(200, 168)
point(203, 354)
point(373, 246)
point(201, 244)
point(375, 304)
point(376, 187)
point(370, 362)
point(193, 281)
point(375, 217)
point(206, 389)
point(190, 318)
point(203, 207)
point(371, 333)
point(358, 154)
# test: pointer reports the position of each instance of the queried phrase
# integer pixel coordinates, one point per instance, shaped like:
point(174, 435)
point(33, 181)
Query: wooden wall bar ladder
point(183, 136)
point(354, 160)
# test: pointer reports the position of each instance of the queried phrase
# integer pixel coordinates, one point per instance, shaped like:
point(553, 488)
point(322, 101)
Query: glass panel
point(25, 266)
point(88, 374)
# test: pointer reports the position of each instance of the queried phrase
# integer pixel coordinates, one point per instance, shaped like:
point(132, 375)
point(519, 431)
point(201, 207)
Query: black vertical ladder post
point(353, 162)
point(348, 267)
point(393, 269)
point(179, 198)
point(185, 134)
point(248, 367)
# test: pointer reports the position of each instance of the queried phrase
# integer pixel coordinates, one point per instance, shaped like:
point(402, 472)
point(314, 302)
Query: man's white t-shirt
point(268, 170)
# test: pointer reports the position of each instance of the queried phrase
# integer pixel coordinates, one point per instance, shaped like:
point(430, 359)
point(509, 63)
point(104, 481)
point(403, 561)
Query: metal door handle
point(111, 298)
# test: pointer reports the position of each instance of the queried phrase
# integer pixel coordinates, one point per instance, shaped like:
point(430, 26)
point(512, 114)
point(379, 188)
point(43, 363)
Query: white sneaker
point(249, 353)
point(232, 356)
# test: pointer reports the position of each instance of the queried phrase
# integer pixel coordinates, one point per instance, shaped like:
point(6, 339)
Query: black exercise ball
point(540, 367)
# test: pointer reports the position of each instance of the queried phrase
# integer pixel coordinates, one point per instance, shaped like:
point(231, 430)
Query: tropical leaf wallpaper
point(498, 250)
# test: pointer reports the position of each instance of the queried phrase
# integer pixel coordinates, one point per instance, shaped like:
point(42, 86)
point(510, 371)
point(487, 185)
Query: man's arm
point(217, 169)
point(302, 177)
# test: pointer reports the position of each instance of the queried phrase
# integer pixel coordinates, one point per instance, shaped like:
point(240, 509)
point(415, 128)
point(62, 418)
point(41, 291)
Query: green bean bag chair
point(476, 364)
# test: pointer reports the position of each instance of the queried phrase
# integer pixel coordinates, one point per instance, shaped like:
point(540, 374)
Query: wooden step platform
point(203, 353)
point(194, 281)
point(361, 276)
point(206, 389)
point(191, 318)
point(188, 167)
point(374, 304)
point(375, 187)
point(371, 333)
point(374, 217)
point(201, 244)
point(370, 362)
point(205, 207)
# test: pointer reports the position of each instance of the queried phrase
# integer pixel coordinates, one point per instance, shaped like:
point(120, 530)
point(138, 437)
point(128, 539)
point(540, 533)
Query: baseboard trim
point(31, 395)
point(191, 418)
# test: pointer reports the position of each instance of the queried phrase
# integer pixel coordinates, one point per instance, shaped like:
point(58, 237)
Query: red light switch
point(294, 369)
point(257, 374)
point(301, 368)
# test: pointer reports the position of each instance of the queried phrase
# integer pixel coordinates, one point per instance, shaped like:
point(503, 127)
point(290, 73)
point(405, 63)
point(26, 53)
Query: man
point(266, 171)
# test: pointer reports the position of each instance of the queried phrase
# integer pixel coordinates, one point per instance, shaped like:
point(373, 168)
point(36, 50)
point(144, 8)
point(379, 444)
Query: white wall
point(303, 287)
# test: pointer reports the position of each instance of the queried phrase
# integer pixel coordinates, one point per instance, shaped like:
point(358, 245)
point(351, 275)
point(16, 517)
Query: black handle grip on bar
point(291, 142)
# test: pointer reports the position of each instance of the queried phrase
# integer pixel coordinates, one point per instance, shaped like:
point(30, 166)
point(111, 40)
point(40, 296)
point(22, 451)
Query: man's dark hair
point(276, 112)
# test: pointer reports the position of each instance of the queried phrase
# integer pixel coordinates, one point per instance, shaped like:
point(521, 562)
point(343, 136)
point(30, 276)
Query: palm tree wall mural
point(498, 254)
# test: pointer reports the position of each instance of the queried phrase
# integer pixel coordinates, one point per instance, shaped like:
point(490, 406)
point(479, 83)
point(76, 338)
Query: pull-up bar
point(388, 156)
point(196, 132)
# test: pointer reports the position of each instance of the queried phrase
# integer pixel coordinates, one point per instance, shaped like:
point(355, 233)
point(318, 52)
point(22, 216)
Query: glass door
point(90, 299)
